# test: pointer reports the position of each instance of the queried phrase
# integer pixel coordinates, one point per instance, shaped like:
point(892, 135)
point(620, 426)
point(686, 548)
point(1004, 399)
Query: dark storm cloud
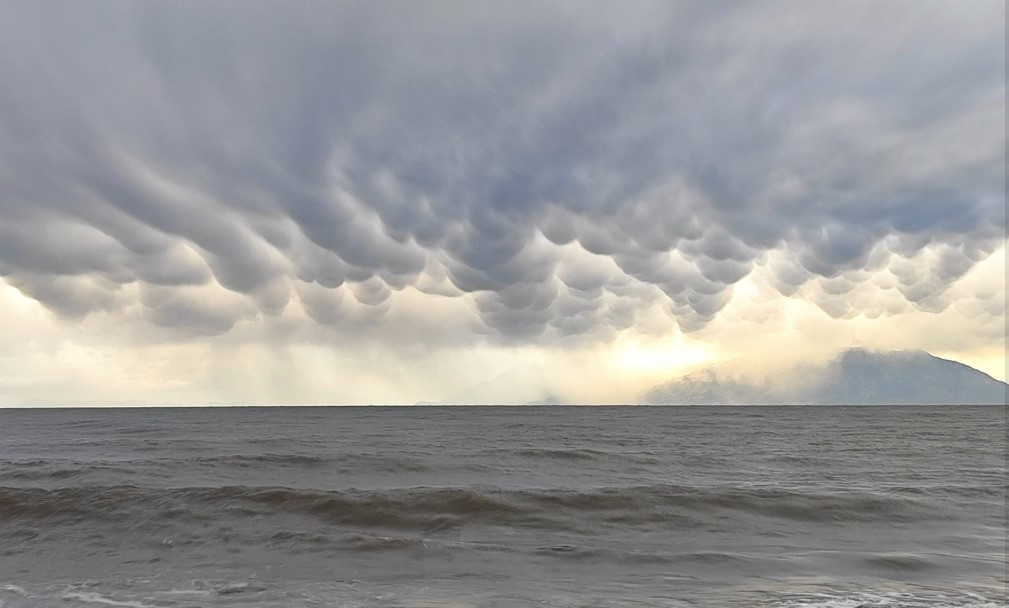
point(276, 150)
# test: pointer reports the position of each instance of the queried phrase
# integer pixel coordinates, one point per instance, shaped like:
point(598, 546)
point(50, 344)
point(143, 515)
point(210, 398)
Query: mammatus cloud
point(518, 172)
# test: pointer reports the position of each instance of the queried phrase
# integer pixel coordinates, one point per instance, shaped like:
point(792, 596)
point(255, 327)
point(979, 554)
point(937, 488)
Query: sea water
point(840, 507)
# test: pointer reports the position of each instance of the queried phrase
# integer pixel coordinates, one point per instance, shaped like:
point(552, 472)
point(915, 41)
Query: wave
point(43, 470)
point(890, 600)
point(251, 592)
point(372, 462)
point(41, 475)
point(581, 454)
point(56, 469)
point(437, 508)
point(959, 491)
point(901, 562)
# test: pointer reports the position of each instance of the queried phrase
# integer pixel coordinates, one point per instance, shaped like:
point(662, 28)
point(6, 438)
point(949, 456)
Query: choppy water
point(594, 507)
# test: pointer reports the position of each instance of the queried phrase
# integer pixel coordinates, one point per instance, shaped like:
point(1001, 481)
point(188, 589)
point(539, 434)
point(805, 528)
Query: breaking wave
point(440, 507)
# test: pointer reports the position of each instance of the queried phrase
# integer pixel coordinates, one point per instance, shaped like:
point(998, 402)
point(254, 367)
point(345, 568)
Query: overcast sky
point(340, 202)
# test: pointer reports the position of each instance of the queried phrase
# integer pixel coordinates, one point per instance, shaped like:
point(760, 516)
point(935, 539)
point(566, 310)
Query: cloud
point(557, 171)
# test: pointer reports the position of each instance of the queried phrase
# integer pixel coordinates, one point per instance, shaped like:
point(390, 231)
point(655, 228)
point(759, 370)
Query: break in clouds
point(538, 170)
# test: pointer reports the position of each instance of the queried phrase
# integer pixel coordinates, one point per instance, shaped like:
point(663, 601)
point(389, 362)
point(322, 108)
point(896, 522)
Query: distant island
point(855, 377)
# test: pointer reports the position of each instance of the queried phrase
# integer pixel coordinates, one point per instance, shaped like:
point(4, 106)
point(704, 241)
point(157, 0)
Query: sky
point(355, 202)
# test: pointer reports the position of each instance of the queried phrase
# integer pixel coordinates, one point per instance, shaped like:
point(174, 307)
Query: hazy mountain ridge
point(855, 377)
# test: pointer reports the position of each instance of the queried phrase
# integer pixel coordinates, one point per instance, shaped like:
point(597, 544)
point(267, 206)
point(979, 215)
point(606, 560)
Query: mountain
point(855, 377)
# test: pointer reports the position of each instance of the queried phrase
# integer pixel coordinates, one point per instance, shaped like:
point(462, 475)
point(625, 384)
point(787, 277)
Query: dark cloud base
point(566, 167)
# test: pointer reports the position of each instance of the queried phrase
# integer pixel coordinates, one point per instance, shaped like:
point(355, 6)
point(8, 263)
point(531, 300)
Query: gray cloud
point(348, 152)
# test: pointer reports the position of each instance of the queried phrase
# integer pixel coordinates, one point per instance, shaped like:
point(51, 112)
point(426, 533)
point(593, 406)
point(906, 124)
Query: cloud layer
point(522, 172)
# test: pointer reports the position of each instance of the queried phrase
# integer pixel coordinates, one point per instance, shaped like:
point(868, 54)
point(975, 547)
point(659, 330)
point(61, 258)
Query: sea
point(791, 507)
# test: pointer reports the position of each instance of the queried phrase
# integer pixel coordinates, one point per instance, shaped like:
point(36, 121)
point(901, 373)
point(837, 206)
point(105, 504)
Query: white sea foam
point(891, 600)
point(95, 598)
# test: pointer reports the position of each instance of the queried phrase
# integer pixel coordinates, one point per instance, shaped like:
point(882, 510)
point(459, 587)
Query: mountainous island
point(855, 377)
